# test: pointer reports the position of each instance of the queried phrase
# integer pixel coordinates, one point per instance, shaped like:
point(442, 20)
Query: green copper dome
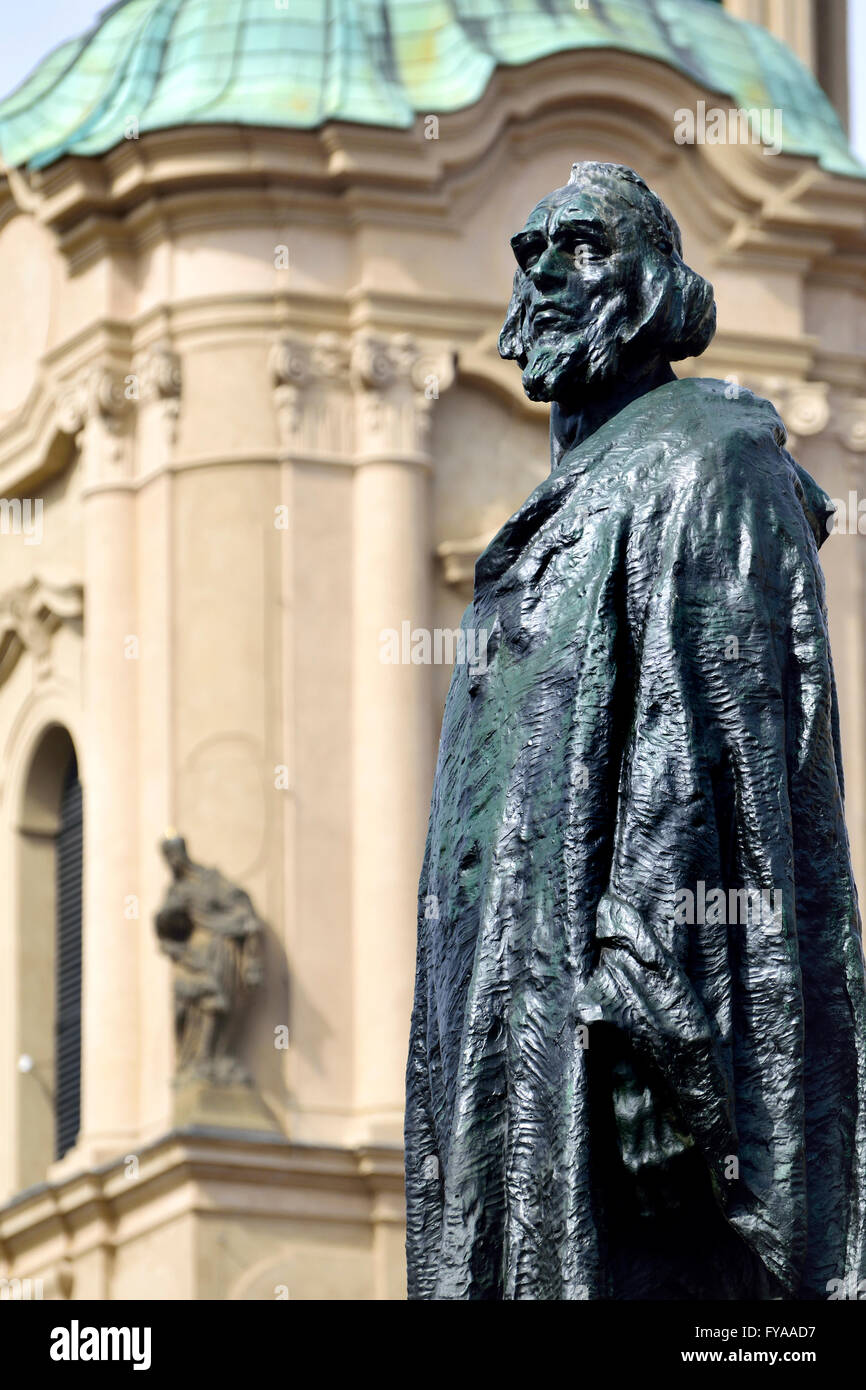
point(297, 63)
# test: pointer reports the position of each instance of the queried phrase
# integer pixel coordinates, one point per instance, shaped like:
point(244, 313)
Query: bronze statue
point(209, 928)
point(636, 1066)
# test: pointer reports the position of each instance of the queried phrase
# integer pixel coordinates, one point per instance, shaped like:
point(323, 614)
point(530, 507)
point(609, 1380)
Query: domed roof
point(152, 64)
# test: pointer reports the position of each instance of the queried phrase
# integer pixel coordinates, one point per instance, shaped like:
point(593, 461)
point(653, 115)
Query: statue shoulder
point(727, 444)
point(724, 411)
point(711, 458)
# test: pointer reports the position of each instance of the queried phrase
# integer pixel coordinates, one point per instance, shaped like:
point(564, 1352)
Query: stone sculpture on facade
point(636, 1065)
point(209, 929)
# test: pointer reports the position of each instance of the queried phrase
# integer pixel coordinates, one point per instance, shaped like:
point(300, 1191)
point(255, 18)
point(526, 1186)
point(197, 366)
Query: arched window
point(67, 1018)
point(48, 1013)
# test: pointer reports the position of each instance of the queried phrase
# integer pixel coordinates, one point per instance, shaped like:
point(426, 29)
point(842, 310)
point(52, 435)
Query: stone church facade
point(252, 417)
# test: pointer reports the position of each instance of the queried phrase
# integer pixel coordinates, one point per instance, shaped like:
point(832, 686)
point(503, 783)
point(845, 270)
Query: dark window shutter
point(67, 1033)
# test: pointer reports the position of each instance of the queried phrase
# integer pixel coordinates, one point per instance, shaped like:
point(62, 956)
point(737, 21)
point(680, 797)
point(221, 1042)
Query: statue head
point(175, 854)
point(601, 291)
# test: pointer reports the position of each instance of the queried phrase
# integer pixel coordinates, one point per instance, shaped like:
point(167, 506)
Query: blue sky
point(32, 27)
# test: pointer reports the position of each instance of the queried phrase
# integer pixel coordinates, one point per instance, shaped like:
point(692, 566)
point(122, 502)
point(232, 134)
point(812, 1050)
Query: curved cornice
point(611, 104)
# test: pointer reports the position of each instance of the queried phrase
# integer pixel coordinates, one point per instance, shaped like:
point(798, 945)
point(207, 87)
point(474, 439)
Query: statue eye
point(584, 253)
point(527, 249)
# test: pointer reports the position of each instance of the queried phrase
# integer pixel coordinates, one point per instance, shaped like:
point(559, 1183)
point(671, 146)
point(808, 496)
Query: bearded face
point(600, 290)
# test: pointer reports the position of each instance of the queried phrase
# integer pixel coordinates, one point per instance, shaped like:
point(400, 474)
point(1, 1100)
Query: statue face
point(583, 273)
point(601, 293)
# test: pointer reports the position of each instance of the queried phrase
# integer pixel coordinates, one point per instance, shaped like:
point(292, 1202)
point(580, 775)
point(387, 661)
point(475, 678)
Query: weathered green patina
point(168, 63)
point(610, 1092)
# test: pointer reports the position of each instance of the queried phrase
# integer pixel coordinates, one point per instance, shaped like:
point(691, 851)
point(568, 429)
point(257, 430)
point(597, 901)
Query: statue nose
point(548, 271)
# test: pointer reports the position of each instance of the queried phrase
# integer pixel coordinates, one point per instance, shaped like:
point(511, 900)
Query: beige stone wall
point(312, 454)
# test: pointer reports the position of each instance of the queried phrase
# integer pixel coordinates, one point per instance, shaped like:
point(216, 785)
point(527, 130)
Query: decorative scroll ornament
point(98, 394)
point(30, 614)
point(330, 356)
point(290, 362)
point(99, 405)
point(161, 376)
point(290, 371)
point(374, 367)
point(161, 382)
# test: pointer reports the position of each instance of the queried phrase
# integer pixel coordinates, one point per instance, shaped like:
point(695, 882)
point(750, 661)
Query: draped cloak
point(657, 712)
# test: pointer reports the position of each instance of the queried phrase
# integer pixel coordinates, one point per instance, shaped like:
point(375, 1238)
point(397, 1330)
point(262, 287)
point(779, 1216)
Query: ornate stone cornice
point(303, 1184)
point(345, 173)
point(30, 614)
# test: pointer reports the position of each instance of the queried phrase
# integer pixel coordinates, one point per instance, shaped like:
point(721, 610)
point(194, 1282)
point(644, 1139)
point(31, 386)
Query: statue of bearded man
point(636, 1066)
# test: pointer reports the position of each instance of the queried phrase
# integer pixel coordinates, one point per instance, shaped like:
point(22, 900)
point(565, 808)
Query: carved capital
point(372, 364)
point(397, 380)
point(337, 398)
point(380, 363)
point(97, 408)
point(289, 365)
point(108, 398)
point(289, 362)
point(99, 395)
point(330, 356)
point(160, 382)
point(161, 376)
